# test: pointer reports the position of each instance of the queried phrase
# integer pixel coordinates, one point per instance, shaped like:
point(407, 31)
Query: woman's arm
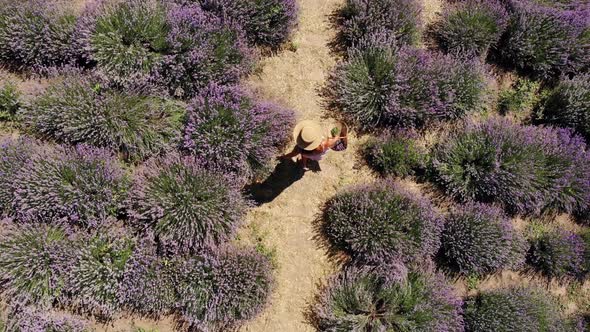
point(330, 142)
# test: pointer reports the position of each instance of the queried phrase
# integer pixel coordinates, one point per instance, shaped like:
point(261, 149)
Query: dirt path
point(286, 222)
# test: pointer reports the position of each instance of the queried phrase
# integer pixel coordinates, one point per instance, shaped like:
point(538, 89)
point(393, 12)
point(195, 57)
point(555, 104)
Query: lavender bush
point(84, 109)
point(381, 86)
point(361, 87)
point(31, 319)
point(14, 155)
point(231, 132)
point(568, 105)
point(558, 253)
point(82, 185)
point(399, 19)
point(541, 40)
point(218, 291)
point(181, 47)
point(574, 16)
point(147, 287)
point(95, 278)
point(35, 34)
point(526, 169)
point(242, 282)
point(361, 299)
point(395, 154)
point(186, 206)
point(194, 284)
point(382, 222)
point(266, 22)
point(470, 27)
point(479, 239)
point(34, 261)
point(513, 309)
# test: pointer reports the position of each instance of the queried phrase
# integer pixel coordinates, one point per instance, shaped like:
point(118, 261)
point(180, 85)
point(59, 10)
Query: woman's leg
point(304, 161)
point(296, 151)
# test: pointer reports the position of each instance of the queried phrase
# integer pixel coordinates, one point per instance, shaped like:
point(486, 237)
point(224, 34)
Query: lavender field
point(142, 189)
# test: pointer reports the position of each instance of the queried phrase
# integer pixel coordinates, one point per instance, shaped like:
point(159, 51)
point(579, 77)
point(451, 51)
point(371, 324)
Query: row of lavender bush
point(186, 203)
point(541, 38)
point(180, 44)
point(187, 206)
point(122, 104)
point(224, 127)
point(546, 40)
point(47, 259)
point(378, 299)
point(384, 228)
point(525, 169)
point(386, 81)
point(104, 272)
point(380, 223)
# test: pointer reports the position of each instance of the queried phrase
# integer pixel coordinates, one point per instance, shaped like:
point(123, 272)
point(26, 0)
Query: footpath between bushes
point(286, 223)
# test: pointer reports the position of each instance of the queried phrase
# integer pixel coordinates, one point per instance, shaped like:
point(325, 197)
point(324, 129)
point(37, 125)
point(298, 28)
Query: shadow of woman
point(284, 175)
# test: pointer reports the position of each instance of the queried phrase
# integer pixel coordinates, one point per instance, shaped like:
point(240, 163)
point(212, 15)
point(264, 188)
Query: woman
point(311, 143)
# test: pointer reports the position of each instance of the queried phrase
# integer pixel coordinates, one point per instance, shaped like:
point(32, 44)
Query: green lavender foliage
point(10, 101)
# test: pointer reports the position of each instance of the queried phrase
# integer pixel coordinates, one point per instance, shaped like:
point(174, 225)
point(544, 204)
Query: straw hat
point(308, 135)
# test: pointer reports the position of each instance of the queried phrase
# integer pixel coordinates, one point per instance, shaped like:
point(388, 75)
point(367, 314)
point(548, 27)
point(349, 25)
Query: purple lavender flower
point(31, 319)
point(82, 185)
point(95, 278)
point(35, 34)
point(513, 309)
point(229, 131)
point(479, 239)
point(242, 280)
point(34, 262)
point(360, 299)
point(266, 22)
point(79, 108)
point(399, 19)
point(558, 253)
point(544, 41)
point(179, 46)
point(221, 290)
point(187, 207)
point(195, 287)
point(14, 155)
point(526, 169)
point(147, 287)
point(382, 222)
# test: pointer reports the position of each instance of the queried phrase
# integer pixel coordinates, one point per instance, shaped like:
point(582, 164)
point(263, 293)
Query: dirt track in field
point(286, 223)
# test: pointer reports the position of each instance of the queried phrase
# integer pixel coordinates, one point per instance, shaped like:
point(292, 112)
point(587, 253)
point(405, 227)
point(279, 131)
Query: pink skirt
point(315, 156)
